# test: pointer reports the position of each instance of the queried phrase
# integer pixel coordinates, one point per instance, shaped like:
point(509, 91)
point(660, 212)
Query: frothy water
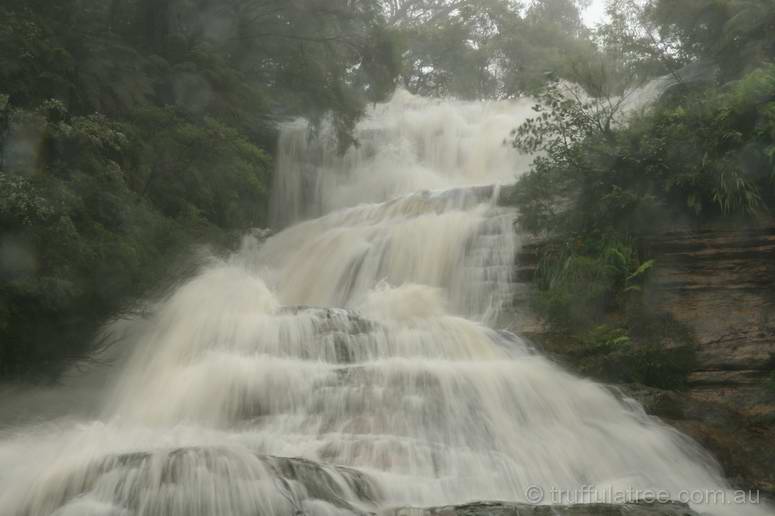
point(404, 146)
point(349, 364)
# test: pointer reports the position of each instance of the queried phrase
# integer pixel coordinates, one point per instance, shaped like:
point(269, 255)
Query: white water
point(407, 145)
point(359, 341)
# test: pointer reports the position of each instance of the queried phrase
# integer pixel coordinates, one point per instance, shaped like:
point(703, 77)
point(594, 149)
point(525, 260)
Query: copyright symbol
point(534, 495)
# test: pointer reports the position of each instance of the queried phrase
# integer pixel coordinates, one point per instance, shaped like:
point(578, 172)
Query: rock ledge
point(518, 509)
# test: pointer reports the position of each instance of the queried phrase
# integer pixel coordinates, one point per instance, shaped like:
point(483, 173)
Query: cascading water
point(407, 145)
point(347, 364)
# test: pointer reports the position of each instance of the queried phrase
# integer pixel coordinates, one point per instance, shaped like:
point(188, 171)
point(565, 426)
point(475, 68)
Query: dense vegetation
point(606, 177)
point(133, 129)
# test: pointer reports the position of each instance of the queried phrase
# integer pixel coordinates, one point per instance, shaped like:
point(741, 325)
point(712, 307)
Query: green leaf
point(643, 269)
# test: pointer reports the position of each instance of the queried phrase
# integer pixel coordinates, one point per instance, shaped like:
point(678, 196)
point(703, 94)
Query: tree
point(412, 13)
point(488, 48)
point(736, 34)
point(131, 130)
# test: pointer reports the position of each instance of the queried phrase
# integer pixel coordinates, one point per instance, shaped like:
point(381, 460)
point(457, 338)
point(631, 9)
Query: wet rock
point(741, 444)
point(209, 480)
point(338, 326)
point(719, 281)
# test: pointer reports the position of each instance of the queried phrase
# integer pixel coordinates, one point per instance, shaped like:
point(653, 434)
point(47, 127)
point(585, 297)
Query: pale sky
point(595, 13)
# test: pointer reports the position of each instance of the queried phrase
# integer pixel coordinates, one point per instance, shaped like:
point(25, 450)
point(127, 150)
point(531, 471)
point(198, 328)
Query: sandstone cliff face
point(720, 282)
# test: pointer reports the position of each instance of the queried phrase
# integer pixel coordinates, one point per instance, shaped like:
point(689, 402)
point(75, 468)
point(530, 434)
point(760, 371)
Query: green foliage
point(722, 165)
point(736, 34)
point(203, 171)
point(665, 352)
point(131, 130)
point(488, 48)
point(698, 154)
point(76, 242)
point(654, 366)
point(625, 354)
point(633, 45)
point(92, 212)
point(604, 339)
point(441, 60)
point(33, 63)
point(550, 41)
point(601, 177)
point(581, 281)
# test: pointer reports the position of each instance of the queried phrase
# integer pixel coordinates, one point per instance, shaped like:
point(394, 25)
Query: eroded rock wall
point(719, 280)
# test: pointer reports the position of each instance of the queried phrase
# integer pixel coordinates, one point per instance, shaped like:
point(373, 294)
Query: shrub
point(626, 355)
point(580, 281)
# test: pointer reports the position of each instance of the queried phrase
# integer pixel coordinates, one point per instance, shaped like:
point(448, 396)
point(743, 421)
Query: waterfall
point(407, 145)
point(351, 363)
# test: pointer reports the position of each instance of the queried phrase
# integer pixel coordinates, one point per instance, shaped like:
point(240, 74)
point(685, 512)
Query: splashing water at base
point(348, 365)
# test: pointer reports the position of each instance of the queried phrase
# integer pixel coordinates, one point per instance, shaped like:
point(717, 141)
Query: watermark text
point(610, 495)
